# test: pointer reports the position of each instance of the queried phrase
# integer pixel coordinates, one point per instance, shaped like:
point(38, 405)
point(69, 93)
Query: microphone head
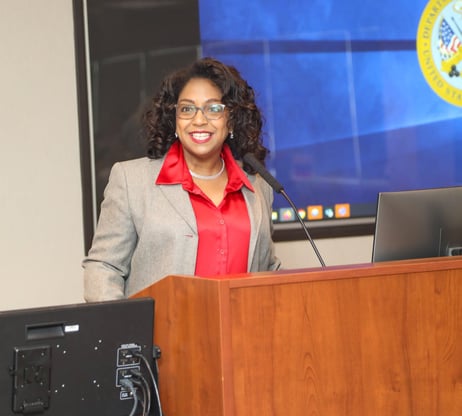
point(259, 168)
point(264, 173)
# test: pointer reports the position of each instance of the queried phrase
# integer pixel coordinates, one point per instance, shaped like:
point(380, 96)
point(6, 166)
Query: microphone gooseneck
point(271, 180)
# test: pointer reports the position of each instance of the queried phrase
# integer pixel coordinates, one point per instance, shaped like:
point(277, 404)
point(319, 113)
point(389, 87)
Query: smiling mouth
point(201, 137)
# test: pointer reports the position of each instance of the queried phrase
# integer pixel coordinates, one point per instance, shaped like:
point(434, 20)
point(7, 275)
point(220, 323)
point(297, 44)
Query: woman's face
point(201, 138)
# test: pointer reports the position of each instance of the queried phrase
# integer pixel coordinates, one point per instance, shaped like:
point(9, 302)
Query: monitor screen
point(418, 224)
point(70, 360)
point(347, 107)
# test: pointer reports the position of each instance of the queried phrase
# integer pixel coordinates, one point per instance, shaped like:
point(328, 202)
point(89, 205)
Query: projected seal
point(439, 48)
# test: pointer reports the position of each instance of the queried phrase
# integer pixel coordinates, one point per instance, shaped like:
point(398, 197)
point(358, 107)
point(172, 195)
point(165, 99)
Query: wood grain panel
point(374, 339)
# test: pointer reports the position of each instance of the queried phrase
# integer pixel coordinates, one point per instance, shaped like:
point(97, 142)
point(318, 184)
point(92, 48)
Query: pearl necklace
point(209, 177)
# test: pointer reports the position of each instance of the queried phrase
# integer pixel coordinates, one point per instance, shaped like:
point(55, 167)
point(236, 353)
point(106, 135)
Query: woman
point(188, 208)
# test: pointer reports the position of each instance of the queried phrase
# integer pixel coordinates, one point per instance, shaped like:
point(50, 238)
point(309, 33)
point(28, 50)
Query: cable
point(156, 390)
point(142, 388)
point(315, 248)
point(129, 384)
point(143, 383)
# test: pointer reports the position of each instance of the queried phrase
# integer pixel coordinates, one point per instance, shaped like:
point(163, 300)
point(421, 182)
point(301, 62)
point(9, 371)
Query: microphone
point(271, 180)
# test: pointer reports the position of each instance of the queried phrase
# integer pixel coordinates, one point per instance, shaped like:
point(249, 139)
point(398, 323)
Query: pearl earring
point(231, 135)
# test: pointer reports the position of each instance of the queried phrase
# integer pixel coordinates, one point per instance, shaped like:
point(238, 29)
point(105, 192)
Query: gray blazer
point(146, 232)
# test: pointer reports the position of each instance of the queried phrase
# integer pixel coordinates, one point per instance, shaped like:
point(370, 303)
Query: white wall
point(41, 241)
point(334, 251)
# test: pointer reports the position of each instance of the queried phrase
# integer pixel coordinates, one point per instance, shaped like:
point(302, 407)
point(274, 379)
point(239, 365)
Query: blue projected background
point(347, 110)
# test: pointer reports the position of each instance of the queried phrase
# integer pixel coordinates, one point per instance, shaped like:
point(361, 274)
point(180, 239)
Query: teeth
point(201, 136)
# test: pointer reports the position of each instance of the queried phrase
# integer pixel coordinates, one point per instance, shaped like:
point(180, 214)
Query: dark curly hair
point(245, 118)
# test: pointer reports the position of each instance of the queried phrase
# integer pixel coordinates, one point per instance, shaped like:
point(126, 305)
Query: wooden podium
point(374, 339)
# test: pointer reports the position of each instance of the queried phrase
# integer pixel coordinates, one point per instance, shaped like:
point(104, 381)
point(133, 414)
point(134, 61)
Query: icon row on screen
point(312, 213)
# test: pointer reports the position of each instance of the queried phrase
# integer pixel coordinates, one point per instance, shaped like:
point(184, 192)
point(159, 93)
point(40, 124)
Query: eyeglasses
point(213, 111)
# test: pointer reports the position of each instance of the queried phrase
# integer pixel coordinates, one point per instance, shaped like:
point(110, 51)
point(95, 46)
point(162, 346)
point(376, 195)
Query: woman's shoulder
point(139, 164)
point(136, 170)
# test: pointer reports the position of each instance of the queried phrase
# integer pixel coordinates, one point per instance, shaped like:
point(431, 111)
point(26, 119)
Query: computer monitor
point(70, 360)
point(418, 224)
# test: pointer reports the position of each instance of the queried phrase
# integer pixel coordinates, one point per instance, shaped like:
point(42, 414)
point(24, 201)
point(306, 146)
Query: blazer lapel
point(180, 202)
point(176, 197)
point(254, 209)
